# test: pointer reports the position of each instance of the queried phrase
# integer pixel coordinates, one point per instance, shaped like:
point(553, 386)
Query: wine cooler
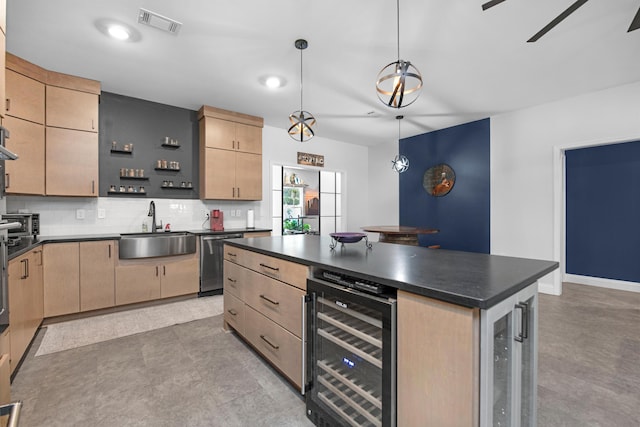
point(351, 353)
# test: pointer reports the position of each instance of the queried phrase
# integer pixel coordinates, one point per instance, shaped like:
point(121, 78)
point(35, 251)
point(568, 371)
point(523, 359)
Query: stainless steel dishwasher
point(211, 262)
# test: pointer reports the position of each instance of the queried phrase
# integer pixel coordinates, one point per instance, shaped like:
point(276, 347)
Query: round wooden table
point(400, 234)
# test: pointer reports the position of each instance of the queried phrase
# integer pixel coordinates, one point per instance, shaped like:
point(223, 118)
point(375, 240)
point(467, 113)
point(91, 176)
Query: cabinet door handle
point(93, 186)
point(524, 321)
point(269, 267)
point(109, 251)
point(27, 264)
point(269, 300)
point(7, 180)
point(156, 271)
point(24, 269)
point(232, 312)
point(164, 270)
point(234, 192)
point(238, 144)
point(93, 124)
point(265, 339)
point(8, 104)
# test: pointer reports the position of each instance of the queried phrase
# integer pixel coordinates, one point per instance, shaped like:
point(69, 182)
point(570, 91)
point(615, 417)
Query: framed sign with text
point(310, 159)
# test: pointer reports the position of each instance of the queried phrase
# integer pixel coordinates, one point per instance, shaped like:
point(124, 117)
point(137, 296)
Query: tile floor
point(192, 374)
point(195, 374)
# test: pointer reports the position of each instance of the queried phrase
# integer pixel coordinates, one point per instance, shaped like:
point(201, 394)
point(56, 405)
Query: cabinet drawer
point(279, 346)
point(234, 312)
point(285, 271)
point(276, 300)
point(234, 279)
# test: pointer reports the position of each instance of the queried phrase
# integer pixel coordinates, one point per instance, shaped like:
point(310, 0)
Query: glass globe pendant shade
point(399, 84)
point(301, 125)
point(400, 163)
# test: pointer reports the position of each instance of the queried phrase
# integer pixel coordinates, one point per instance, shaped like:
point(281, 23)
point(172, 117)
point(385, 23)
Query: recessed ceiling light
point(273, 82)
point(118, 32)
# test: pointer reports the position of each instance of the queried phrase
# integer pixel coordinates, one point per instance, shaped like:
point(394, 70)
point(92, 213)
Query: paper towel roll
point(250, 222)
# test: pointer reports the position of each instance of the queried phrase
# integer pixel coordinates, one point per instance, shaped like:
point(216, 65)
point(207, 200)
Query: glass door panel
point(528, 367)
point(502, 370)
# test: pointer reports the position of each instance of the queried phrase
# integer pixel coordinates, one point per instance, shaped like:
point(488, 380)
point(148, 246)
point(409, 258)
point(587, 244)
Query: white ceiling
point(474, 63)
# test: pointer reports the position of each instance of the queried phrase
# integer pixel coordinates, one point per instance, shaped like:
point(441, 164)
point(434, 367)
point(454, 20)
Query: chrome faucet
point(152, 214)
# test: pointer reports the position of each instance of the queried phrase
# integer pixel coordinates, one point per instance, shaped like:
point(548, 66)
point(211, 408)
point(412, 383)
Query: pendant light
point(301, 121)
point(399, 82)
point(400, 163)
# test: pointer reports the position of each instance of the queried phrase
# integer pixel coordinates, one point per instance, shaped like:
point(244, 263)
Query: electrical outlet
point(238, 212)
point(102, 214)
point(80, 213)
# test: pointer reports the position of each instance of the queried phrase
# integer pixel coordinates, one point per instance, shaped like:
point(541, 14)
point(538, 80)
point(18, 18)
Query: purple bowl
point(347, 237)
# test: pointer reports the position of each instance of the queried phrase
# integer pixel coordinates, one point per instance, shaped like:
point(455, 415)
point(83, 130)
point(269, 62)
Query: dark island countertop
point(462, 278)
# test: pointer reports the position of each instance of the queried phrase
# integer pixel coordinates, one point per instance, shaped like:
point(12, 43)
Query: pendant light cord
point(398, 26)
point(301, 80)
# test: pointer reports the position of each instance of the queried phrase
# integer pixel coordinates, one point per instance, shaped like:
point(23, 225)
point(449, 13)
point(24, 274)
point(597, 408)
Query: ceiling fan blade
point(635, 24)
point(558, 20)
point(491, 3)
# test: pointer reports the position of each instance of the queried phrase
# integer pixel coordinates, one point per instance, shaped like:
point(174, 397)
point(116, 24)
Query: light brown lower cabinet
point(5, 371)
point(78, 276)
point(141, 280)
point(5, 385)
point(438, 364)
point(97, 274)
point(275, 343)
point(263, 299)
point(25, 302)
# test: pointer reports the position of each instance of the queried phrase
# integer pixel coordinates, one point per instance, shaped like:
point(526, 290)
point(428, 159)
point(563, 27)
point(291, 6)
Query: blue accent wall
point(603, 211)
point(463, 215)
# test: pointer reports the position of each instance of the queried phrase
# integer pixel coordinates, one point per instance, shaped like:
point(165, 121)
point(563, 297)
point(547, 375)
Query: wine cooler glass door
point(349, 361)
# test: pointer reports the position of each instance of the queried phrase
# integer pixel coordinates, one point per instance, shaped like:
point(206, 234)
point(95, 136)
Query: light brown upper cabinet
point(24, 118)
point(228, 135)
point(72, 163)
point(230, 155)
point(72, 109)
point(25, 175)
point(25, 97)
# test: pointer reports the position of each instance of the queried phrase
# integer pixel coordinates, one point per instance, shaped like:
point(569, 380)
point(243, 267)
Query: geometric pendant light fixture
point(399, 82)
point(400, 163)
point(301, 121)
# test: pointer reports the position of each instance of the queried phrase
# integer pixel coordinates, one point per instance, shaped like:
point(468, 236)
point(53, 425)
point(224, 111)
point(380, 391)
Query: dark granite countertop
point(27, 244)
point(463, 278)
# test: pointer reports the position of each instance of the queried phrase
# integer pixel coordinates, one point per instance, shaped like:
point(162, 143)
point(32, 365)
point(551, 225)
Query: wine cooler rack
point(353, 357)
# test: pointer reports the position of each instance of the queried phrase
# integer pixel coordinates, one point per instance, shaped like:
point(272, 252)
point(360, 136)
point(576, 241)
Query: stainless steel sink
point(147, 245)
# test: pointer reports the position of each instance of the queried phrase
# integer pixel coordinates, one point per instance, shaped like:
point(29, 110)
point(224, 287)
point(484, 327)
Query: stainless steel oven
point(351, 352)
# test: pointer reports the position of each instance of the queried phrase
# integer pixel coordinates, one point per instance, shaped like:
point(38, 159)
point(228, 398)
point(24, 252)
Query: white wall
point(527, 173)
point(125, 215)
point(384, 206)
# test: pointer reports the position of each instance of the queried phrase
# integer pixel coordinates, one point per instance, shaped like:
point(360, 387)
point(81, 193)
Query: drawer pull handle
point(269, 300)
point(232, 281)
point(232, 312)
point(275, 347)
point(231, 254)
point(269, 267)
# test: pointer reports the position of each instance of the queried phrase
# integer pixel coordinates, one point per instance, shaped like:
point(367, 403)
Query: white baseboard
point(603, 283)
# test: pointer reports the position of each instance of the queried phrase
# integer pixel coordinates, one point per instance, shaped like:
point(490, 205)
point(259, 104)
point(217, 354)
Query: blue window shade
point(603, 211)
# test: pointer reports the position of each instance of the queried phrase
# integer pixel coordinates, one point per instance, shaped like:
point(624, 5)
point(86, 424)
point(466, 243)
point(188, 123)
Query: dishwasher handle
point(223, 236)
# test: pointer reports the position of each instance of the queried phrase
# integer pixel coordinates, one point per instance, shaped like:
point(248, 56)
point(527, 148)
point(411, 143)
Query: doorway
point(306, 200)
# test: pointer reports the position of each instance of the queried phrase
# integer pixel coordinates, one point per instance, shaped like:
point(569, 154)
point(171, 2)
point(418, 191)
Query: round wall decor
point(438, 180)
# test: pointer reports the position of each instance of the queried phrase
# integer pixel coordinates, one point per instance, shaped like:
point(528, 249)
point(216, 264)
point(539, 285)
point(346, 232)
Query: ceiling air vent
point(160, 22)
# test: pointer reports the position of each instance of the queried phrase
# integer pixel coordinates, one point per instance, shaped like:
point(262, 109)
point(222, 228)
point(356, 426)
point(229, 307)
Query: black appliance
point(351, 352)
point(211, 262)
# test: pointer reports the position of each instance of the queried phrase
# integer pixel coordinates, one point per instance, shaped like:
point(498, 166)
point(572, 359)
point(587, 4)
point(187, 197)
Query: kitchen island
point(466, 322)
